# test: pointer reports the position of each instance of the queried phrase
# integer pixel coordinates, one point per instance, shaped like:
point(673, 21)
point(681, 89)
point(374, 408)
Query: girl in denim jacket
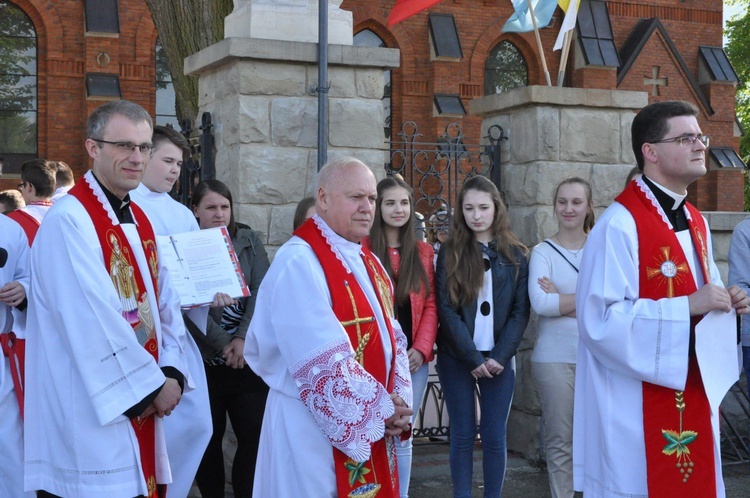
point(483, 307)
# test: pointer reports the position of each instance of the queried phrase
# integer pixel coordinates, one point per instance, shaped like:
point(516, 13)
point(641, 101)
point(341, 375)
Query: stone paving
point(523, 479)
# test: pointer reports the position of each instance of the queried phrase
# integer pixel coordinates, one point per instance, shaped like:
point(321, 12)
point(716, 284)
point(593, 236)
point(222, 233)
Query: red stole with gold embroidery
point(125, 273)
point(677, 424)
point(377, 476)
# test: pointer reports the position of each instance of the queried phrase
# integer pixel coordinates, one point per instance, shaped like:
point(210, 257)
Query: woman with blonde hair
point(553, 274)
point(409, 264)
point(483, 306)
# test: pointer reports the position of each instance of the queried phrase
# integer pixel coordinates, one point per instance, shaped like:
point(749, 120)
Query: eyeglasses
point(127, 147)
point(21, 185)
point(685, 139)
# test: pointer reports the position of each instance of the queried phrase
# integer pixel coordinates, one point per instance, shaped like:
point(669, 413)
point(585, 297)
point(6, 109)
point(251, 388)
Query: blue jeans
point(496, 396)
point(404, 448)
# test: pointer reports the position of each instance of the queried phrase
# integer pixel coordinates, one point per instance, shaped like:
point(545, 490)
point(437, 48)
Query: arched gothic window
point(166, 108)
point(505, 69)
point(18, 88)
point(367, 38)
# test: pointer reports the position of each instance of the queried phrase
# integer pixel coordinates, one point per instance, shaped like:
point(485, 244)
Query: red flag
point(407, 8)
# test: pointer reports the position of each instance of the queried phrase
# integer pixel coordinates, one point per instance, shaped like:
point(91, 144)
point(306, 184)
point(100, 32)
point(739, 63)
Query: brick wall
point(66, 54)
point(479, 22)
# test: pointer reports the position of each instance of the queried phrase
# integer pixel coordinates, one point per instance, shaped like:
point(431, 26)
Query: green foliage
point(738, 50)
point(17, 61)
point(186, 27)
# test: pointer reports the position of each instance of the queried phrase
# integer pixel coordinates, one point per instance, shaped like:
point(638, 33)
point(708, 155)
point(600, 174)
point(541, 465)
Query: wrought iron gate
point(200, 165)
point(436, 170)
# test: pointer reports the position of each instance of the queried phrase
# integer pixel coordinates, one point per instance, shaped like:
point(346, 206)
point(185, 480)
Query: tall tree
point(737, 37)
point(737, 46)
point(185, 27)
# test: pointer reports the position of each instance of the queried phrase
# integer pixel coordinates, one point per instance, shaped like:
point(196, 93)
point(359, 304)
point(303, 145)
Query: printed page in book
point(203, 263)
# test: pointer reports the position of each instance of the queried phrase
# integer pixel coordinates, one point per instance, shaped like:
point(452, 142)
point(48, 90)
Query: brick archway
point(492, 36)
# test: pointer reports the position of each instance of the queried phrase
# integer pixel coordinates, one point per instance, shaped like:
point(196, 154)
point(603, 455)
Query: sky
point(731, 11)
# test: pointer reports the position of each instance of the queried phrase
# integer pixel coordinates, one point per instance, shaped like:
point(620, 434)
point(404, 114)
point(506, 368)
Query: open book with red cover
point(202, 263)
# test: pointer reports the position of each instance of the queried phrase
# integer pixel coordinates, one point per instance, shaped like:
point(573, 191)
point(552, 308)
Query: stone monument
point(291, 20)
point(258, 84)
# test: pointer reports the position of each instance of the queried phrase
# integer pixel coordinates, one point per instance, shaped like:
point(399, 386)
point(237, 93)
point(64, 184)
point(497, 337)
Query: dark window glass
point(505, 69)
point(449, 104)
point(718, 63)
point(166, 99)
point(18, 87)
point(101, 16)
point(367, 38)
point(102, 85)
point(444, 33)
point(595, 33)
point(592, 52)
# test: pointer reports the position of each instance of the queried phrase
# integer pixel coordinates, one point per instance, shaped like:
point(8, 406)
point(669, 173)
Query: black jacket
point(510, 306)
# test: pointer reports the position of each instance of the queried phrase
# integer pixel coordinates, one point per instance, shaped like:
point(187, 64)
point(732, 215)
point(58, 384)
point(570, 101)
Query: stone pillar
point(291, 20)
point(554, 133)
point(258, 92)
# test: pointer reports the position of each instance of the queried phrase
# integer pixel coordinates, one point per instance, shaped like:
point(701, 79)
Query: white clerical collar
point(338, 244)
point(148, 193)
point(678, 199)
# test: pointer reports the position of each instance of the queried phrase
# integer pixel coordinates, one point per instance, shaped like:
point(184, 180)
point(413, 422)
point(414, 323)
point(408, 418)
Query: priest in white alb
point(658, 340)
point(324, 339)
point(14, 284)
point(188, 429)
point(100, 376)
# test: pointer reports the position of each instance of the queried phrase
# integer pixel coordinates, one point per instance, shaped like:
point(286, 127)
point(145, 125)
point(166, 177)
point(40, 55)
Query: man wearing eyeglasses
point(105, 338)
point(37, 186)
point(650, 376)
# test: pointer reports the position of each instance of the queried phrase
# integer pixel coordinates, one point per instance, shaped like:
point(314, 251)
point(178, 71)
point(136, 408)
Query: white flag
point(571, 15)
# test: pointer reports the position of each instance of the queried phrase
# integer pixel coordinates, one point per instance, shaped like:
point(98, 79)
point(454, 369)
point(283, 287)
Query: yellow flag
point(569, 22)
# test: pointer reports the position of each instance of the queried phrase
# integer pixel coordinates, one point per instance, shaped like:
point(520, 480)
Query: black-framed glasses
point(21, 185)
point(127, 147)
point(685, 139)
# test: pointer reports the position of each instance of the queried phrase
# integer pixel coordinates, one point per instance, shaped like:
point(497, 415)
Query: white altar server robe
point(189, 428)
point(16, 268)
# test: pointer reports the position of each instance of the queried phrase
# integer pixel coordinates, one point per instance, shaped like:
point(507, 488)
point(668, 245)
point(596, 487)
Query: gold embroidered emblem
point(362, 340)
point(149, 247)
point(383, 288)
point(122, 274)
point(703, 252)
point(151, 485)
point(667, 270)
point(357, 473)
point(678, 441)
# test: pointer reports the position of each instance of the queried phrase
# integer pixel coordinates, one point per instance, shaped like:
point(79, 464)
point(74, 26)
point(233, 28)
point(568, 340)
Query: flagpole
point(539, 43)
point(564, 57)
point(323, 85)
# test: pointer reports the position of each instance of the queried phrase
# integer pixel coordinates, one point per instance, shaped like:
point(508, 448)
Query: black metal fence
point(735, 430)
point(437, 169)
point(200, 165)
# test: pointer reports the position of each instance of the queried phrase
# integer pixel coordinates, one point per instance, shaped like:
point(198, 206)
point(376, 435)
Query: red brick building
point(669, 48)
point(73, 66)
